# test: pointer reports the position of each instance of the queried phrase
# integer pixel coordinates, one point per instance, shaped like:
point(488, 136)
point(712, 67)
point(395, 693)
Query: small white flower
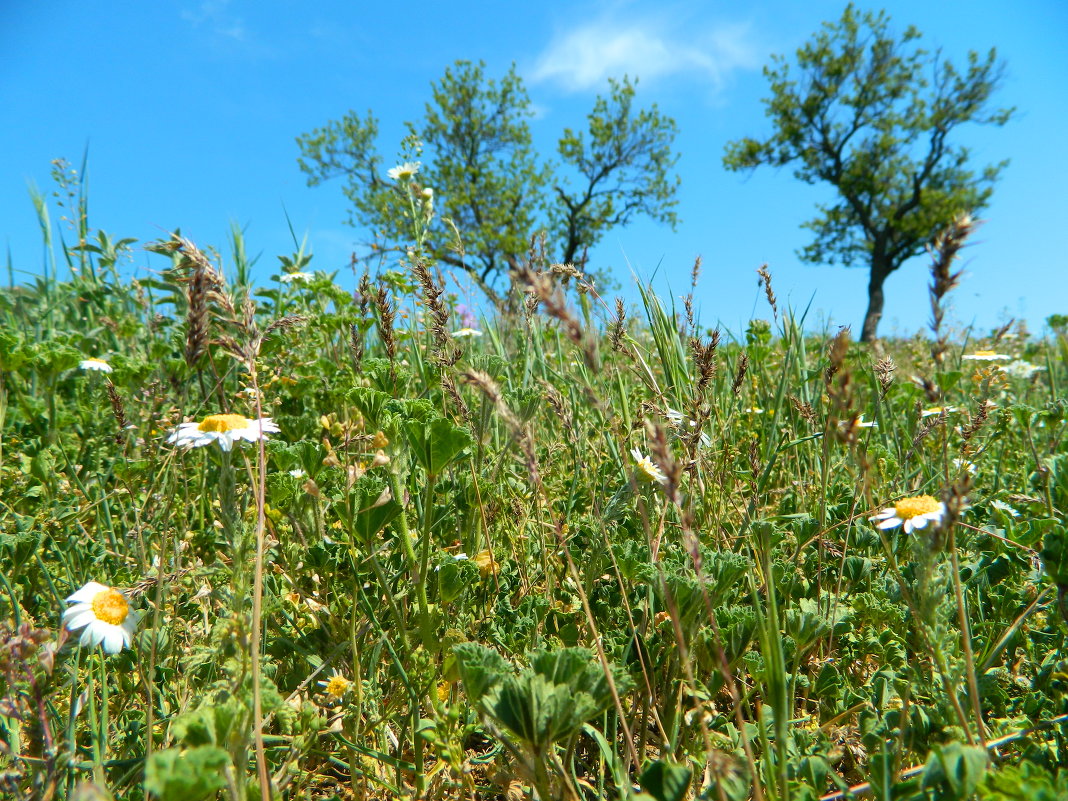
point(985, 356)
point(95, 364)
point(648, 472)
point(936, 410)
point(298, 473)
point(467, 332)
point(105, 616)
point(427, 193)
point(1020, 369)
point(1004, 507)
point(679, 421)
point(289, 278)
point(912, 513)
point(404, 172)
point(226, 429)
point(964, 466)
point(857, 424)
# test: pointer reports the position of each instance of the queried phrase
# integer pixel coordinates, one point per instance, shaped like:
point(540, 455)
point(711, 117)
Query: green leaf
point(373, 508)
point(186, 775)
point(666, 781)
point(480, 668)
point(956, 768)
point(437, 443)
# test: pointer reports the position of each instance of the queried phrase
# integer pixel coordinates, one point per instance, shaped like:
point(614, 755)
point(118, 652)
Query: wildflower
point(854, 426)
point(467, 332)
point(222, 428)
point(404, 172)
point(964, 466)
point(753, 410)
point(936, 410)
point(104, 614)
point(379, 441)
point(336, 686)
point(1004, 507)
point(485, 563)
point(289, 278)
point(678, 420)
point(912, 513)
point(985, 356)
point(95, 364)
point(648, 472)
point(1020, 369)
point(467, 317)
point(427, 193)
point(297, 473)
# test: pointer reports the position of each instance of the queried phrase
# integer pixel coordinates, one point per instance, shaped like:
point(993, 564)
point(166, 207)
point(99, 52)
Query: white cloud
point(584, 57)
point(221, 29)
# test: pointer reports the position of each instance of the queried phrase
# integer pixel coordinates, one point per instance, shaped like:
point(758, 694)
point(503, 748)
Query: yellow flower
point(379, 441)
point(911, 513)
point(486, 563)
point(226, 429)
point(104, 614)
point(336, 686)
point(648, 472)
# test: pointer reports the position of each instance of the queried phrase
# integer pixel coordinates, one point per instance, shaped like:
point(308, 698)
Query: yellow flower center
point(985, 353)
point(337, 686)
point(908, 508)
point(647, 471)
point(223, 422)
point(110, 606)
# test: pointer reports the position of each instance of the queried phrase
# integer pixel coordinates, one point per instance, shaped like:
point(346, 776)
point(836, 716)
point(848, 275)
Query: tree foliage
point(872, 114)
point(491, 189)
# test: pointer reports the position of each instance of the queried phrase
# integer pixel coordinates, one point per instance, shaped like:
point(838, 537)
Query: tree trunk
point(879, 272)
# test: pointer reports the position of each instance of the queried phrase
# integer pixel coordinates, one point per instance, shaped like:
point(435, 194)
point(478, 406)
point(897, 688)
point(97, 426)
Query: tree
point(871, 114)
point(489, 185)
point(624, 168)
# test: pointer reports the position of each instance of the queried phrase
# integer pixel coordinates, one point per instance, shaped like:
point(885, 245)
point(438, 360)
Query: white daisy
point(404, 172)
point(964, 466)
point(935, 410)
point(336, 686)
point(222, 428)
point(289, 278)
point(912, 513)
point(1020, 369)
point(679, 420)
point(1004, 507)
point(985, 356)
point(467, 332)
point(648, 472)
point(104, 614)
point(95, 364)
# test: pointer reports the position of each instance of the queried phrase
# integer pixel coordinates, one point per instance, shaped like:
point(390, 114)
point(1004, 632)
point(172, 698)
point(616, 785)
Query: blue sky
point(190, 110)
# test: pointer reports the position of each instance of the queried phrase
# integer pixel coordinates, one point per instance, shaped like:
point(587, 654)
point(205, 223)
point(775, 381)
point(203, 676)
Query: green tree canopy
point(871, 113)
point(491, 190)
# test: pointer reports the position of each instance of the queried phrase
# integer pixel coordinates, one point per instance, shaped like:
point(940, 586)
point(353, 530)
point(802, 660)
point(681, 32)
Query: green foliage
point(491, 191)
point(451, 540)
point(873, 114)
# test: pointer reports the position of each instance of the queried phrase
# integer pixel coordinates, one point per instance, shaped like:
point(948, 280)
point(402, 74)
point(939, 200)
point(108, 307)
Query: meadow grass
point(581, 552)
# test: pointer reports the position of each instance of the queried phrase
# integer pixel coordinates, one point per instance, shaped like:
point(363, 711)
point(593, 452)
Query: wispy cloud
point(585, 56)
point(221, 28)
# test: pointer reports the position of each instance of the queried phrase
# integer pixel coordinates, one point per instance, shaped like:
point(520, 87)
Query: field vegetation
point(305, 541)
